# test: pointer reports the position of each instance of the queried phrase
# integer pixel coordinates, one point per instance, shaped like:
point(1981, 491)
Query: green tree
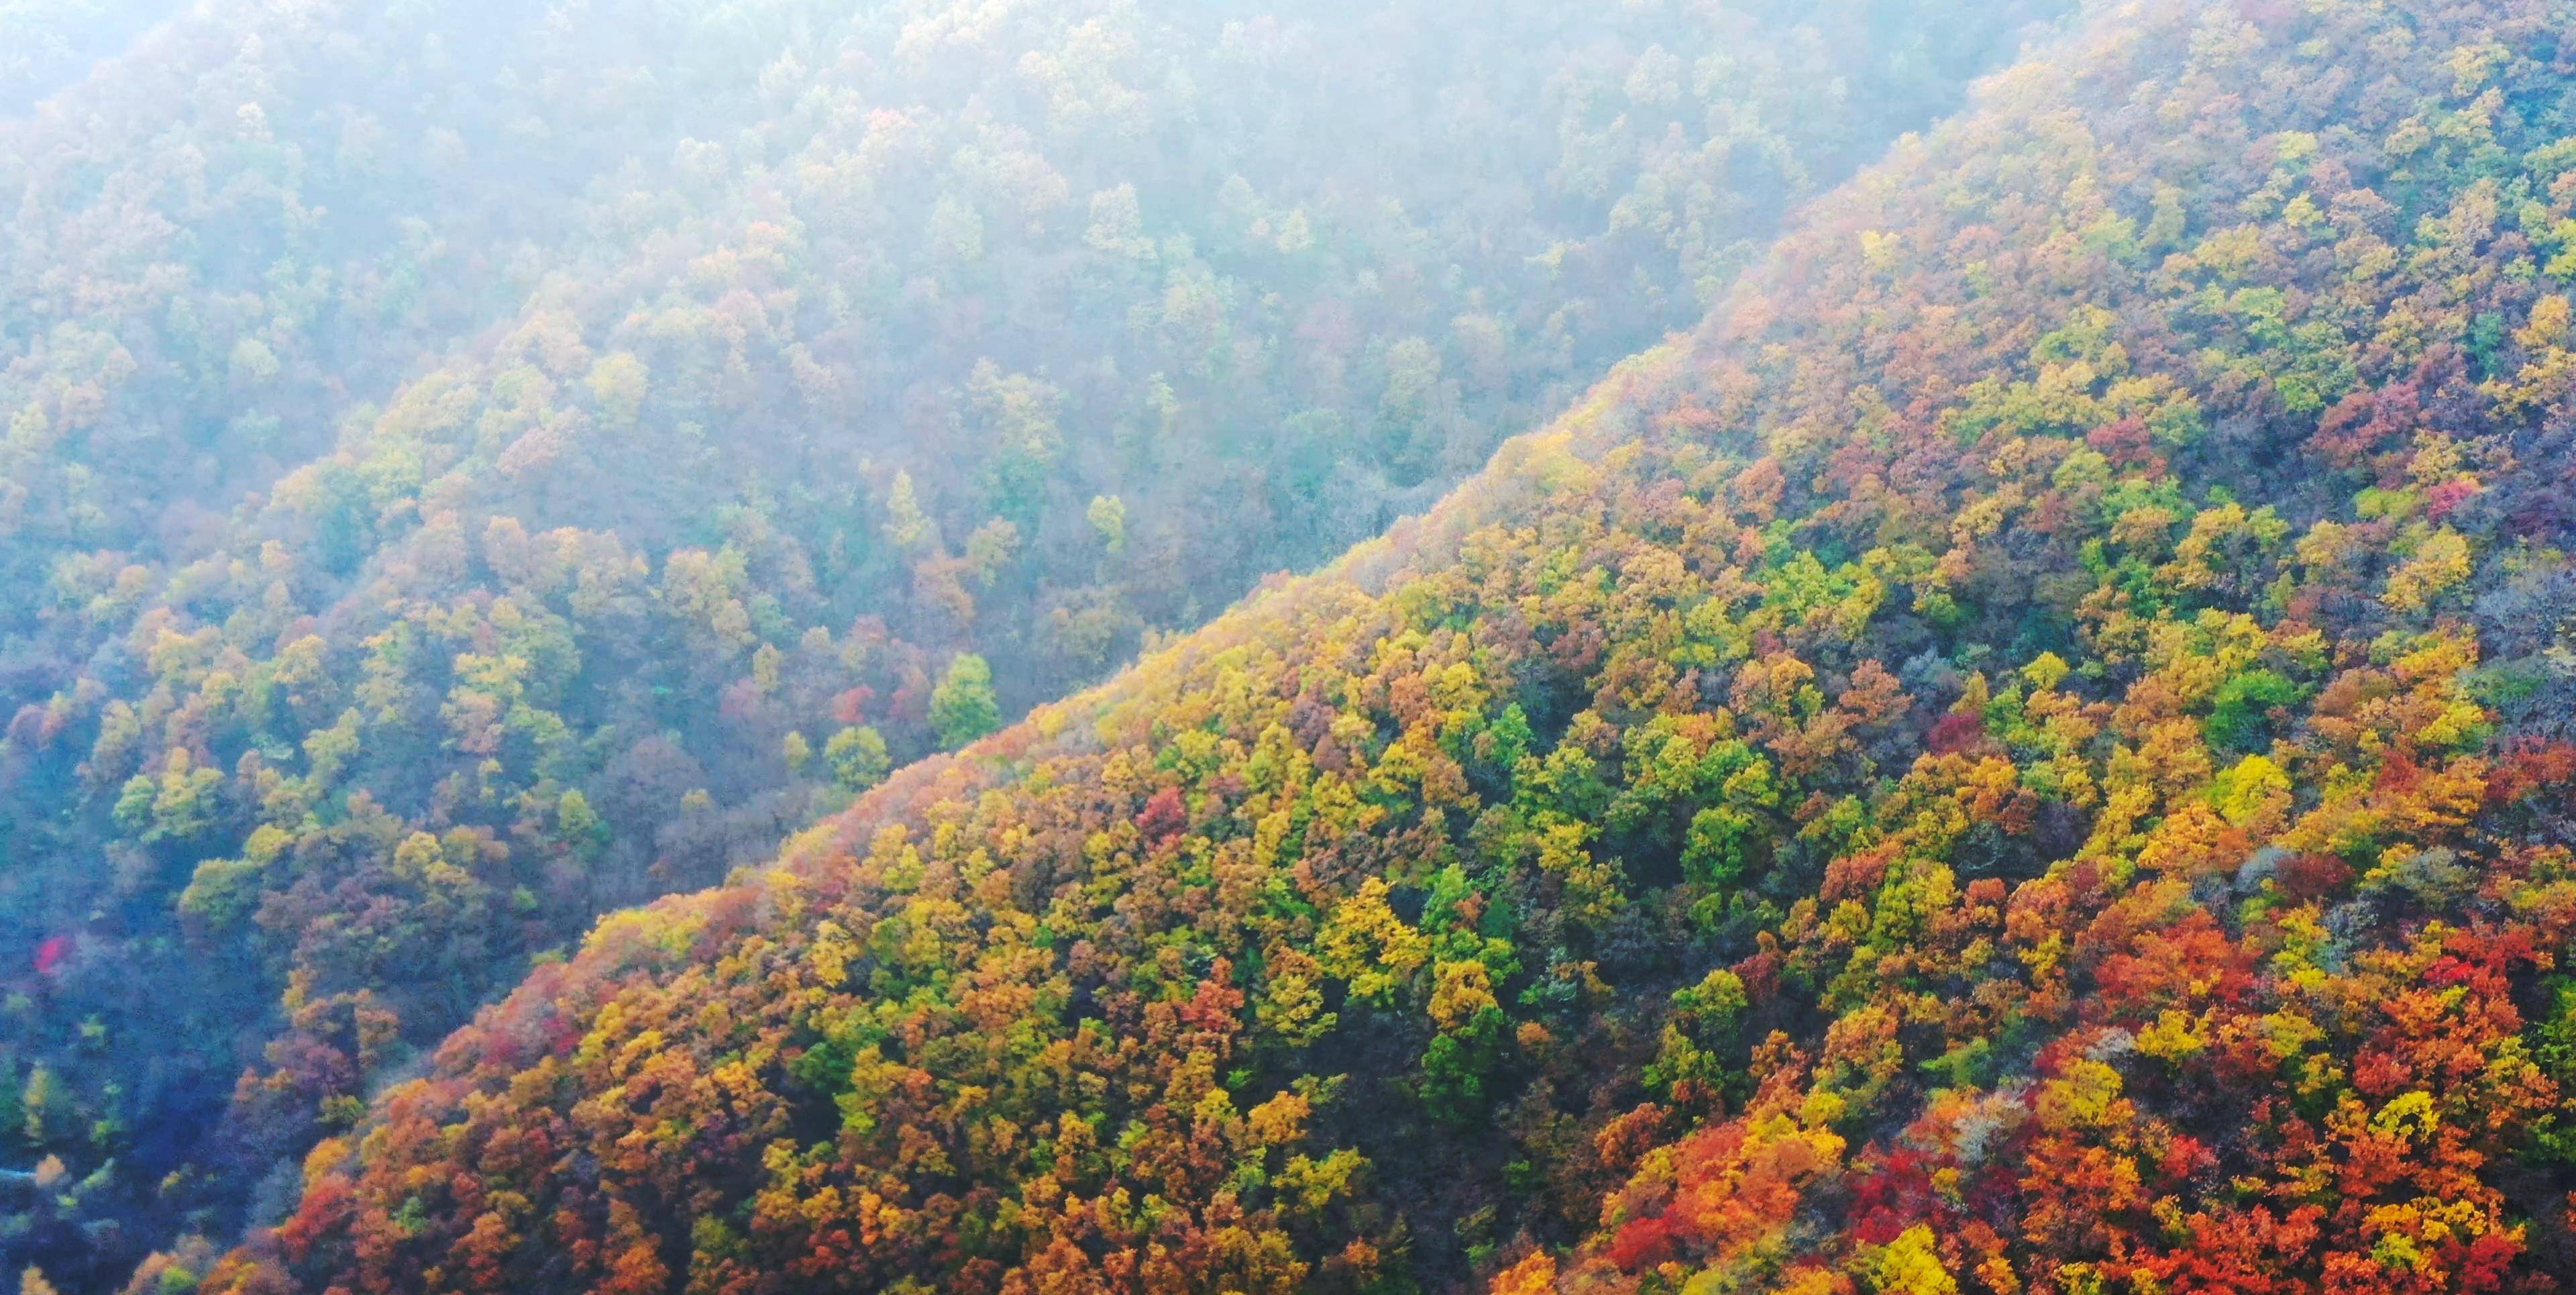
point(581, 824)
point(962, 707)
point(858, 757)
point(46, 1107)
point(1108, 514)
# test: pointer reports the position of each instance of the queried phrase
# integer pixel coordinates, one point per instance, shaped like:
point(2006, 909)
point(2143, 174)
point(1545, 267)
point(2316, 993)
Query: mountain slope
point(261, 216)
point(45, 44)
point(2029, 755)
point(467, 472)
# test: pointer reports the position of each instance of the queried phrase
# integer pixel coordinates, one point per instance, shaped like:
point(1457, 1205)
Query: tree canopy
point(2029, 753)
point(474, 467)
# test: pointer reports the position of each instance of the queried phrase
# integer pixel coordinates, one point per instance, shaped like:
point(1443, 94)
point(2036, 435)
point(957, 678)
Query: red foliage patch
point(2127, 444)
point(1893, 1199)
point(1164, 815)
point(1955, 732)
point(2441, 499)
point(2530, 766)
point(2304, 877)
point(1643, 1243)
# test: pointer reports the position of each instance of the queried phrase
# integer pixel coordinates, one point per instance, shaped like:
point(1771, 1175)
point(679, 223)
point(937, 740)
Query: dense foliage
point(468, 468)
point(2033, 754)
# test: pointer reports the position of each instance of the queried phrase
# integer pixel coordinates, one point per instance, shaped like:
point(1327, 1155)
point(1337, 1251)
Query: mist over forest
point(665, 647)
point(46, 46)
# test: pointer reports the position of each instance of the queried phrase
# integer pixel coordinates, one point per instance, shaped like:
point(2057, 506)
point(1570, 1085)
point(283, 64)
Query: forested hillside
point(2030, 754)
point(471, 467)
point(49, 45)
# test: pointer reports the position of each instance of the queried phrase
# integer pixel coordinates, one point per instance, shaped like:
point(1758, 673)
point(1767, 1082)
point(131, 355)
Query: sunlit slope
point(2028, 756)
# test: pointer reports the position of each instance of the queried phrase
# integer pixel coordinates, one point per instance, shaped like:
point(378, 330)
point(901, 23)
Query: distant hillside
point(47, 46)
point(2029, 755)
point(472, 467)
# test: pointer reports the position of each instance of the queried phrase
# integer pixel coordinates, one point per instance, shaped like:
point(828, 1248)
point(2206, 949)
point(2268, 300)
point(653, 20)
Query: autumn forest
point(1068, 647)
